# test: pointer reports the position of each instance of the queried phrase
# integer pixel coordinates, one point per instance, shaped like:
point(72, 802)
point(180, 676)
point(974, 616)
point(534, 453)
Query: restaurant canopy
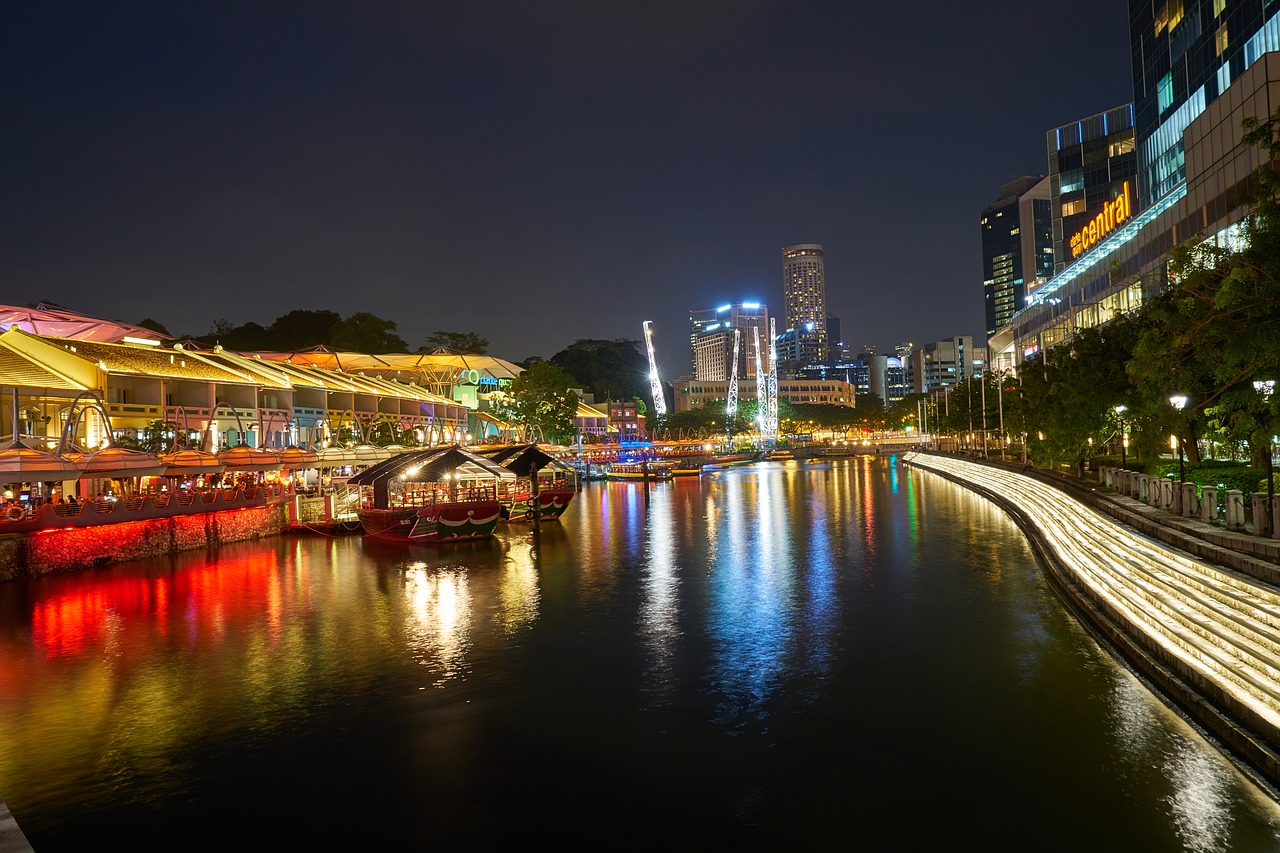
point(22, 464)
point(245, 458)
point(190, 463)
point(118, 462)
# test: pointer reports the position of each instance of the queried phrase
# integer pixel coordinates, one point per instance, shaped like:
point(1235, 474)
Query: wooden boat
point(688, 466)
point(657, 470)
point(437, 495)
point(544, 487)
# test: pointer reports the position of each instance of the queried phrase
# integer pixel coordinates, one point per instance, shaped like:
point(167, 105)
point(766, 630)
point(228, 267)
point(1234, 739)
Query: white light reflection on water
point(519, 596)
point(751, 591)
point(440, 608)
point(659, 615)
point(1202, 789)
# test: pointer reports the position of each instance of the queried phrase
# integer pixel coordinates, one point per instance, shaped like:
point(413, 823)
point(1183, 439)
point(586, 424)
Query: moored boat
point(437, 495)
point(544, 485)
point(688, 466)
point(653, 470)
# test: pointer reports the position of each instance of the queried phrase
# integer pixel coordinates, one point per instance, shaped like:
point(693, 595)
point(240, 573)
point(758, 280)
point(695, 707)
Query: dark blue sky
point(534, 172)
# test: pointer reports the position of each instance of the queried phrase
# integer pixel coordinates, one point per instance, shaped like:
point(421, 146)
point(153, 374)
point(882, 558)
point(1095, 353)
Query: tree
point(302, 329)
point(467, 343)
point(540, 399)
point(612, 370)
point(154, 325)
point(366, 333)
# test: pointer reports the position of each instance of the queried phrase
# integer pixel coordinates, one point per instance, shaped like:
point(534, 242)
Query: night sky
point(533, 172)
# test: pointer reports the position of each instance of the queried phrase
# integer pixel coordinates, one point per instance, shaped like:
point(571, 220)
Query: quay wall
point(27, 555)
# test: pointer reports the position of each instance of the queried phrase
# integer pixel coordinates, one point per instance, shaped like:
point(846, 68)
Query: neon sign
point(1113, 213)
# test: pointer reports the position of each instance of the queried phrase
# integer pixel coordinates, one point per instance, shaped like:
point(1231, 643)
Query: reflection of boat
point(436, 495)
point(555, 482)
point(656, 470)
point(728, 459)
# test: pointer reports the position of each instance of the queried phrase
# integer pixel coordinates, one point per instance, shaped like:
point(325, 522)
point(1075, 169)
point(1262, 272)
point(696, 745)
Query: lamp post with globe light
point(1265, 387)
point(1179, 402)
point(1124, 439)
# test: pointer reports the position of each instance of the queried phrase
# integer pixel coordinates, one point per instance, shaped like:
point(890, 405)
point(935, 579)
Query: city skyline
point(448, 168)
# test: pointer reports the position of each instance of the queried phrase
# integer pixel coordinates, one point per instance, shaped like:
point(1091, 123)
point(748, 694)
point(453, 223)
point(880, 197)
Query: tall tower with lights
point(804, 294)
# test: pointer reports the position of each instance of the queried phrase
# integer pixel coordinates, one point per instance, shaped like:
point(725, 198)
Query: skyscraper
point(1017, 247)
point(804, 291)
point(711, 339)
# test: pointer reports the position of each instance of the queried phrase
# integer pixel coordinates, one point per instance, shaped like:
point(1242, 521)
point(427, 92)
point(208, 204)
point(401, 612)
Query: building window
point(1165, 92)
point(1221, 39)
point(1073, 207)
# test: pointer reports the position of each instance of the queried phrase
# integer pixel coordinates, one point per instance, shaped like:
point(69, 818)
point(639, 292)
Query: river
point(778, 656)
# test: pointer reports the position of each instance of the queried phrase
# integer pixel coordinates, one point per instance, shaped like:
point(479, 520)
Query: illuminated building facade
point(1185, 55)
point(695, 394)
point(804, 294)
point(941, 363)
point(1127, 265)
point(1017, 247)
point(1199, 68)
point(1092, 182)
point(711, 339)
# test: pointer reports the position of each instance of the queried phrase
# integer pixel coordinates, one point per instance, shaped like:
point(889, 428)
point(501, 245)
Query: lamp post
point(1179, 402)
point(1124, 439)
point(1265, 388)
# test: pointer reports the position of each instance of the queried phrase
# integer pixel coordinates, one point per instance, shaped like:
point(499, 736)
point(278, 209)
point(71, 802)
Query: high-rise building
point(1017, 247)
point(1092, 166)
point(1199, 68)
point(1186, 53)
point(711, 339)
point(804, 292)
point(940, 363)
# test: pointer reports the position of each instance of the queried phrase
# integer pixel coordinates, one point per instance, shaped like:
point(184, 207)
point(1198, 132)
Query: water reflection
point(782, 649)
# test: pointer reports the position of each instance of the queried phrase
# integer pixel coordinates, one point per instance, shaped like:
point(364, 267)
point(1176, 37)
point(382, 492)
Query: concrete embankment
point(1204, 634)
point(11, 838)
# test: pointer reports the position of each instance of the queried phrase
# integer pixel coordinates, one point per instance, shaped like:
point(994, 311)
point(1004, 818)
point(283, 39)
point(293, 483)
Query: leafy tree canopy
point(612, 370)
point(466, 343)
point(540, 399)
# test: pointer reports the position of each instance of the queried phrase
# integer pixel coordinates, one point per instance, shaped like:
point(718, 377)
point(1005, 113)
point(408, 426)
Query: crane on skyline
point(655, 382)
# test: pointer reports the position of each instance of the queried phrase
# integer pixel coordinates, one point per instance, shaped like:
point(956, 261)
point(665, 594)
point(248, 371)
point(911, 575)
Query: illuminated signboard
point(1113, 213)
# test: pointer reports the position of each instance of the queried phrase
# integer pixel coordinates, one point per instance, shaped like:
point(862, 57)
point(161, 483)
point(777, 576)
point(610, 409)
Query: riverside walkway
point(1196, 612)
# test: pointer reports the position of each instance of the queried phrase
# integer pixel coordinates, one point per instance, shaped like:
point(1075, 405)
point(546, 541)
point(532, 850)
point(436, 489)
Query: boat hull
point(552, 503)
point(448, 522)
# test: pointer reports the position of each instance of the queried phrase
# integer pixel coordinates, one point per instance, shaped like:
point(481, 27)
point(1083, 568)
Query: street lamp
point(1179, 402)
point(1265, 387)
point(1124, 438)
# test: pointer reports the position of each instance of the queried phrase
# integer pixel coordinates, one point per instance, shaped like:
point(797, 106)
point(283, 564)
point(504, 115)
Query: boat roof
point(523, 458)
point(431, 466)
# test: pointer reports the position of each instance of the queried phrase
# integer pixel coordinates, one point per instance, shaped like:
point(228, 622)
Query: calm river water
point(782, 656)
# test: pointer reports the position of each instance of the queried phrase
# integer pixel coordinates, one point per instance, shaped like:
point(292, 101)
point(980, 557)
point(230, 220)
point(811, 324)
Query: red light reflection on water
point(208, 597)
